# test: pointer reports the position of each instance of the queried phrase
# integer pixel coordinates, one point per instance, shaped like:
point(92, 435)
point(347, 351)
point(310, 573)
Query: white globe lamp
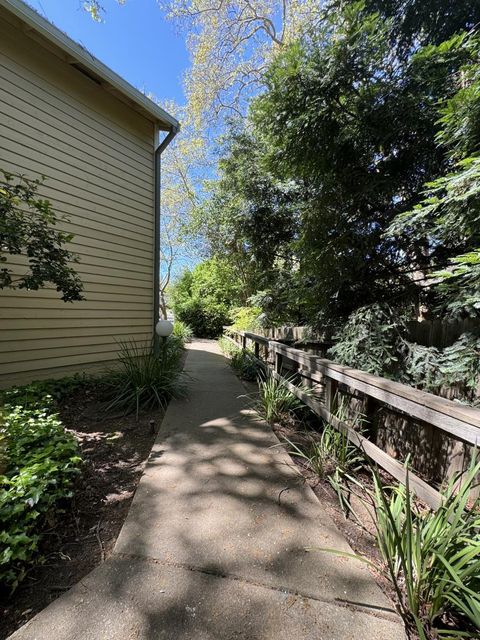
point(164, 329)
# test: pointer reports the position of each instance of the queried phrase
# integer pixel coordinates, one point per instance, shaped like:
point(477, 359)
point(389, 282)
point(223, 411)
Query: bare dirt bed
point(114, 451)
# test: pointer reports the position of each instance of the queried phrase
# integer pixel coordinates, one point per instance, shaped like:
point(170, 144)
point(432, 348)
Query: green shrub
point(275, 401)
point(45, 392)
point(205, 317)
point(144, 379)
point(246, 318)
point(182, 331)
point(245, 365)
point(40, 461)
point(369, 340)
point(227, 347)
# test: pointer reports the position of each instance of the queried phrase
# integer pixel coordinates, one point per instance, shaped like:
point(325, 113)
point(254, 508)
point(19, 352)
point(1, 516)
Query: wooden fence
point(386, 419)
point(438, 333)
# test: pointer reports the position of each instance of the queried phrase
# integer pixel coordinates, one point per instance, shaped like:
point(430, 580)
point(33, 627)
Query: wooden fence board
point(460, 421)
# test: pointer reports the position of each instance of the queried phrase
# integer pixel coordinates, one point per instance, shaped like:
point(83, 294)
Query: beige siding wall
point(97, 156)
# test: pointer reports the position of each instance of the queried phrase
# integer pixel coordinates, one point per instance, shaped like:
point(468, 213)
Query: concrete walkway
point(214, 544)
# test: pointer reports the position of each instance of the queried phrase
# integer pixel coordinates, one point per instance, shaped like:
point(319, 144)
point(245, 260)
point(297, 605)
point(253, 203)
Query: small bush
point(227, 347)
point(182, 331)
point(245, 365)
point(246, 318)
point(40, 461)
point(205, 317)
point(144, 379)
point(275, 401)
point(45, 392)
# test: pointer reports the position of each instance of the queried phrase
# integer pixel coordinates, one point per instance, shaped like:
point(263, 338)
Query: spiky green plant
point(227, 347)
point(245, 365)
point(328, 453)
point(432, 557)
point(144, 379)
point(182, 331)
point(275, 401)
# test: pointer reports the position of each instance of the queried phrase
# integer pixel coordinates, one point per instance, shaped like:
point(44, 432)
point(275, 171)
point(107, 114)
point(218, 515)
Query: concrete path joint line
point(372, 610)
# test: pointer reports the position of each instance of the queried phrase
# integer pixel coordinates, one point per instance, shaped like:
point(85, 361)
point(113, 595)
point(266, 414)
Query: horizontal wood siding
point(97, 157)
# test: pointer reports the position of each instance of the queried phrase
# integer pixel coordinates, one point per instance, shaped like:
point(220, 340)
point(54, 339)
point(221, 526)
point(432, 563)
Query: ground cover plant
point(46, 392)
point(83, 532)
point(40, 460)
point(68, 471)
point(244, 363)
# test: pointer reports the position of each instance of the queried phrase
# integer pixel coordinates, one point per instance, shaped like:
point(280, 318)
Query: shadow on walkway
point(214, 546)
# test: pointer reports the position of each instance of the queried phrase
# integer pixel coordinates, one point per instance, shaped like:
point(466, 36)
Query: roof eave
point(77, 55)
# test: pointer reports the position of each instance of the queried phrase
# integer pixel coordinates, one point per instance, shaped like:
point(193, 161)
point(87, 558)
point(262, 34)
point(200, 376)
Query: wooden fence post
point(331, 395)
point(278, 363)
point(367, 427)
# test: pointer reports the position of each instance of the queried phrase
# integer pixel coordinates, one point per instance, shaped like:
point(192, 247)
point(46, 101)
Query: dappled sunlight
point(223, 498)
point(216, 542)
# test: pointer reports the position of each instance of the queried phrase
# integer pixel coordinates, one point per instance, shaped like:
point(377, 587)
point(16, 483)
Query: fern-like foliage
point(375, 339)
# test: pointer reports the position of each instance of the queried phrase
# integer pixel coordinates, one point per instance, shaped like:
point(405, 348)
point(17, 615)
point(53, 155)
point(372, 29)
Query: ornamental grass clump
point(182, 331)
point(145, 377)
point(245, 365)
point(331, 454)
point(433, 557)
point(46, 393)
point(39, 461)
point(275, 401)
point(227, 347)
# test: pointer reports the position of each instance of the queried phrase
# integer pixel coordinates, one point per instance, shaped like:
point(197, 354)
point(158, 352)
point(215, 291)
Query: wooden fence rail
point(459, 424)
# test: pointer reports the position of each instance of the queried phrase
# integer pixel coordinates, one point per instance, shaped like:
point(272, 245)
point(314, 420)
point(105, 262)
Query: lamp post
point(164, 329)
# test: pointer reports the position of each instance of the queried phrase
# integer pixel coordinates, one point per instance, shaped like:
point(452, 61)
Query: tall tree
point(351, 116)
point(184, 168)
point(231, 44)
point(448, 219)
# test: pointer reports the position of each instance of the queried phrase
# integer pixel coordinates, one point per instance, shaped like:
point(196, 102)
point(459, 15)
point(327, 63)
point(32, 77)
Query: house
point(98, 141)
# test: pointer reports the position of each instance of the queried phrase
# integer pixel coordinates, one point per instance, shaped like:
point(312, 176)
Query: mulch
point(114, 450)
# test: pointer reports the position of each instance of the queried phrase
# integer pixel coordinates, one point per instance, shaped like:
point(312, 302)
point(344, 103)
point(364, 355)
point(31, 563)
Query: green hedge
point(205, 317)
point(38, 463)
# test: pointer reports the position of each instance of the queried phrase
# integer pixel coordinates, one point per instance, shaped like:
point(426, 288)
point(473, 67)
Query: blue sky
point(135, 40)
